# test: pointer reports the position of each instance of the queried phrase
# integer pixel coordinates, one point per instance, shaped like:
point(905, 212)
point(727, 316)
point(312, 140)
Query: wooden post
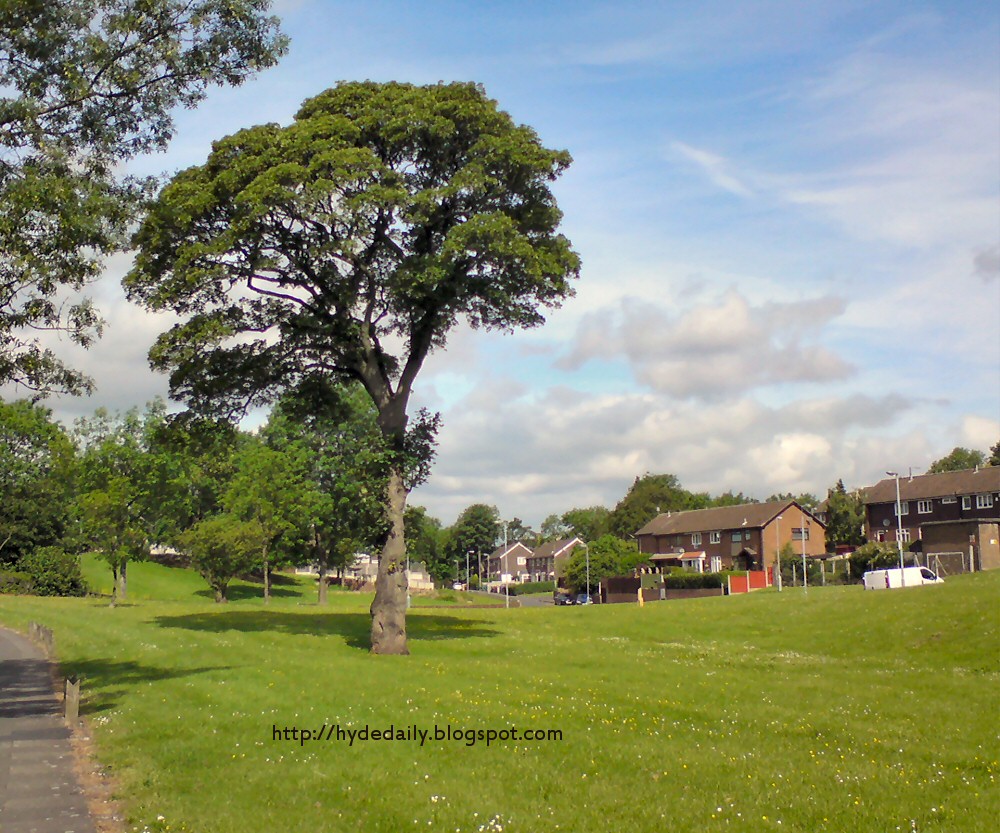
point(71, 703)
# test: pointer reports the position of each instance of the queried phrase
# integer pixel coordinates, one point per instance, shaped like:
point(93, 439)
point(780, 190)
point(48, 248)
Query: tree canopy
point(85, 86)
point(347, 245)
point(958, 459)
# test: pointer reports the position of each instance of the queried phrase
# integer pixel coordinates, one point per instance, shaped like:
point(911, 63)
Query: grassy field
point(837, 711)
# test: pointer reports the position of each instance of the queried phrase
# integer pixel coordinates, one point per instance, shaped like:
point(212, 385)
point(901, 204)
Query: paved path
point(39, 792)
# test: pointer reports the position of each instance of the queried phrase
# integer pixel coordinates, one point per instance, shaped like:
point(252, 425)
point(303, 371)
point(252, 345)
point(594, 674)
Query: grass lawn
point(837, 711)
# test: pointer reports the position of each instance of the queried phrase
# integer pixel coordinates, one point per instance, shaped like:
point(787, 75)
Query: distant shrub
point(527, 587)
point(53, 572)
point(13, 582)
point(874, 555)
point(693, 581)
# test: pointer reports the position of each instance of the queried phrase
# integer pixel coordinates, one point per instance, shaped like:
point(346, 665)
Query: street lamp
point(586, 552)
point(803, 532)
point(899, 527)
point(467, 585)
point(777, 547)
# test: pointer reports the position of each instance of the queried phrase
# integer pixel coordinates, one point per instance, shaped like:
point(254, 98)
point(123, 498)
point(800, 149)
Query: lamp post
point(777, 548)
point(803, 532)
point(467, 585)
point(586, 552)
point(899, 527)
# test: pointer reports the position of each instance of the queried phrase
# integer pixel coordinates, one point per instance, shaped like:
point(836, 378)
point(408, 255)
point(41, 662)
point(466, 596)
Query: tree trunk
point(389, 607)
point(267, 576)
point(220, 594)
point(123, 582)
point(322, 584)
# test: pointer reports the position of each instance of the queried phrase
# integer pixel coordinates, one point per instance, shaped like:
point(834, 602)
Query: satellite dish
point(885, 522)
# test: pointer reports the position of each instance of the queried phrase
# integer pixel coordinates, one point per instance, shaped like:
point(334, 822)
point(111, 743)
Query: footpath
point(39, 791)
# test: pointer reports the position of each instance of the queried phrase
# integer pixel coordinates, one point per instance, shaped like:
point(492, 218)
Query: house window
point(695, 539)
point(984, 501)
point(949, 500)
point(746, 534)
point(966, 502)
point(903, 507)
point(738, 535)
point(903, 536)
point(716, 561)
point(799, 534)
point(925, 507)
point(714, 537)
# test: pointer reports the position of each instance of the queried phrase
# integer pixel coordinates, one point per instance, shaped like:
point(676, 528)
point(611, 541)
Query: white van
point(896, 577)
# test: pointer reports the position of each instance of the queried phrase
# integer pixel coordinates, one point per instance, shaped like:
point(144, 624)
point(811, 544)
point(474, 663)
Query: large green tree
point(84, 86)
point(37, 464)
point(648, 497)
point(958, 459)
point(845, 512)
point(587, 523)
point(476, 531)
point(348, 245)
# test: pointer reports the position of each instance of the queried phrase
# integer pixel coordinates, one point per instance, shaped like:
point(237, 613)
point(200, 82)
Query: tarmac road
point(39, 792)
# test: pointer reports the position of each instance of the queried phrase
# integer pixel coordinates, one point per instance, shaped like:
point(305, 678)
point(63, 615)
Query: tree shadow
point(353, 628)
point(243, 592)
point(104, 680)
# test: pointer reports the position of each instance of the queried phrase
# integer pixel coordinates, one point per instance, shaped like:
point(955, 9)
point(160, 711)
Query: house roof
point(944, 484)
point(747, 515)
point(500, 552)
point(553, 549)
point(678, 556)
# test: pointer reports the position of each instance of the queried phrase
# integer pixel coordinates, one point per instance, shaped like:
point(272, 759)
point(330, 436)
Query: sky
point(788, 216)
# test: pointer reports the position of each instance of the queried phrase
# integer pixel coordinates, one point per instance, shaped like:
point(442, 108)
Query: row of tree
point(305, 488)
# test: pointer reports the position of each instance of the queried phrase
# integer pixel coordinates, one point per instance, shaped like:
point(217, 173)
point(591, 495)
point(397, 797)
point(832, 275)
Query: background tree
point(380, 218)
point(222, 547)
point(86, 85)
point(807, 500)
point(37, 467)
point(270, 489)
point(958, 459)
point(845, 514)
point(552, 529)
point(119, 500)
point(994, 455)
point(426, 543)
point(589, 523)
point(648, 497)
point(335, 434)
point(476, 531)
point(518, 530)
point(609, 556)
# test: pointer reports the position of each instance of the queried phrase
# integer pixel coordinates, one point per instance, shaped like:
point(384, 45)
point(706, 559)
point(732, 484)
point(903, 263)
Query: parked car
point(906, 577)
point(584, 599)
point(563, 599)
point(458, 586)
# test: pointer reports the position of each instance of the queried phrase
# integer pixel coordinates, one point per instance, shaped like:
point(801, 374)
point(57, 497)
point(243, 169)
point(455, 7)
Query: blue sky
point(789, 219)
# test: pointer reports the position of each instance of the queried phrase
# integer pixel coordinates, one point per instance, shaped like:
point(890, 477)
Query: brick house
point(542, 563)
point(509, 563)
point(742, 537)
point(952, 511)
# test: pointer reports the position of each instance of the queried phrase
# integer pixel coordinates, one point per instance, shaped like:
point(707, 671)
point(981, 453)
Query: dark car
point(563, 599)
point(583, 599)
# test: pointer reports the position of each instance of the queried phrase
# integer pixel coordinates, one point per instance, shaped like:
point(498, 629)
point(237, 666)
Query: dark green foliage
point(649, 496)
point(994, 455)
point(14, 582)
point(791, 567)
point(222, 547)
point(53, 572)
point(528, 587)
point(477, 530)
point(588, 523)
point(959, 459)
point(608, 556)
point(874, 555)
point(845, 517)
point(806, 500)
point(87, 84)
point(36, 480)
point(425, 543)
point(695, 581)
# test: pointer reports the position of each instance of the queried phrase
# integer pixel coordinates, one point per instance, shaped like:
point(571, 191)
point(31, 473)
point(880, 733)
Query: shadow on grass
point(104, 680)
point(353, 628)
point(243, 592)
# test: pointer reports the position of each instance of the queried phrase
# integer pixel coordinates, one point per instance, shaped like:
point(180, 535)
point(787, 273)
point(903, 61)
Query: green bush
point(12, 582)
point(694, 581)
point(874, 555)
point(527, 587)
point(53, 572)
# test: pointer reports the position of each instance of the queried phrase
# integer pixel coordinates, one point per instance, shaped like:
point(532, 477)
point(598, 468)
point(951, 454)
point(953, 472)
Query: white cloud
point(716, 168)
point(716, 349)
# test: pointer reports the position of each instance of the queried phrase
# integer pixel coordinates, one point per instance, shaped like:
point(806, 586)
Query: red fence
point(753, 580)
